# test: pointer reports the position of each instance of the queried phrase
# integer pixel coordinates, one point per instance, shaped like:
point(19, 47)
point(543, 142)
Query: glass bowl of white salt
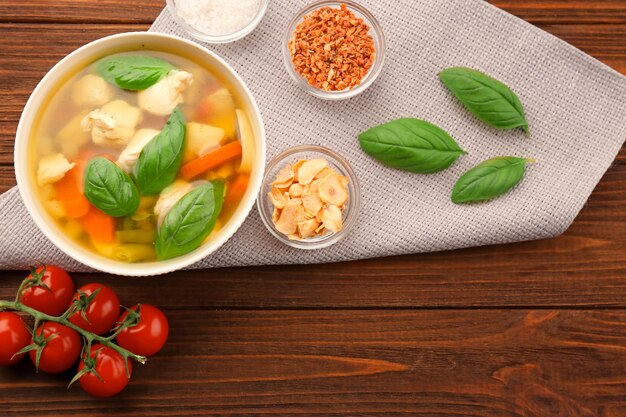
point(218, 21)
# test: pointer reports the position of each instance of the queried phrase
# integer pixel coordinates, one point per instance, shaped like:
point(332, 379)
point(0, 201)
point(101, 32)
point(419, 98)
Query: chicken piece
point(113, 124)
point(170, 196)
point(52, 168)
point(164, 96)
point(91, 90)
point(130, 154)
point(202, 139)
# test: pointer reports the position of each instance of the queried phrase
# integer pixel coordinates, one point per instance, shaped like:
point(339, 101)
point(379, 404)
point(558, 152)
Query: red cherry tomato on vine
point(54, 299)
point(62, 347)
point(101, 311)
point(110, 367)
point(150, 333)
point(14, 336)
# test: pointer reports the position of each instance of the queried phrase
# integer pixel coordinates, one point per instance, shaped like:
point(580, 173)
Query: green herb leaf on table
point(160, 159)
point(190, 220)
point(490, 179)
point(133, 72)
point(412, 145)
point(487, 98)
point(109, 188)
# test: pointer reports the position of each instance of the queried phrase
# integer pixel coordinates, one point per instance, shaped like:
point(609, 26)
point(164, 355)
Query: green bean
point(141, 214)
point(133, 252)
point(135, 236)
point(147, 202)
point(128, 223)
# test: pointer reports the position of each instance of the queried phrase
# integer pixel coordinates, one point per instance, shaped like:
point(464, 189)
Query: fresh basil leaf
point(133, 72)
point(490, 179)
point(190, 220)
point(109, 188)
point(160, 160)
point(411, 145)
point(487, 98)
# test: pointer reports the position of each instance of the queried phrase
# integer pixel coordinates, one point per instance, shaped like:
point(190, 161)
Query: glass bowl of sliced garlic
point(310, 198)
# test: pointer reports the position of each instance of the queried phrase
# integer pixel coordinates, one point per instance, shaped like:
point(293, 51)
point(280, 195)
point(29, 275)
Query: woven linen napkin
point(576, 107)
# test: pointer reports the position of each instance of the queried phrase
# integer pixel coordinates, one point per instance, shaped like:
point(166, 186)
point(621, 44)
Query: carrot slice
point(69, 191)
point(98, 225)
point(236, 189)
point(211, 160)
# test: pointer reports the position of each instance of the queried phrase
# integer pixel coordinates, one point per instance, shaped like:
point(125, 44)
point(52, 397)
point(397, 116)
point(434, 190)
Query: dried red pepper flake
point(332, 48)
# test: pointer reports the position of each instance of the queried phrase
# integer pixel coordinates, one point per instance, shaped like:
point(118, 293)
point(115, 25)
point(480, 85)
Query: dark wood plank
point(144, 11)
point(80, 11)
point(346, 363)
point(542, 12)
point(7, 177)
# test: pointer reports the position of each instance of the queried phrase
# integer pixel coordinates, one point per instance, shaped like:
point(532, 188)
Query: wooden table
point(532, 329)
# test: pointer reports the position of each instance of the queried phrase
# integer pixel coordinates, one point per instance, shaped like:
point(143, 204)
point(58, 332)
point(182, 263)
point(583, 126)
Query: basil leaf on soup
point(160, 160)
point(487, 98)
point(109, 188)
point(490, 179)
point(190, 220)
point(133, 72)
point(412, 145)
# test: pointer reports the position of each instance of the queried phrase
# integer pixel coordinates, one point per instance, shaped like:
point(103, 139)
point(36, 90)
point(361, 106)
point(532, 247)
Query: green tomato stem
point(90, 337)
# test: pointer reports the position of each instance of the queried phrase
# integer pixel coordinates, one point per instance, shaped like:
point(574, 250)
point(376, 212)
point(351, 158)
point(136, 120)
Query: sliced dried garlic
point(332, 219)
point(296, 190)
point(306, 229)
point(278, 198)
point(310, 169)
point(308, 199)
point(284, 179)
point(326, 172)
point(312, 204)
point(292, 214)
point(332, 192)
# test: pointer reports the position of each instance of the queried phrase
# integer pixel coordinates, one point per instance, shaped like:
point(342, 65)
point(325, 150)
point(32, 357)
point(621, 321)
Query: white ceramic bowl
point(74, 62)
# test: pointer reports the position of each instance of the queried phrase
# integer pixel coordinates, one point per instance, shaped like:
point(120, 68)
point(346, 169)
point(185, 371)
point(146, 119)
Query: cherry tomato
point(146, 337)
point(110, 367)
point(61, 350)
point(54, 299)
point(101, 312)
point(14, 336)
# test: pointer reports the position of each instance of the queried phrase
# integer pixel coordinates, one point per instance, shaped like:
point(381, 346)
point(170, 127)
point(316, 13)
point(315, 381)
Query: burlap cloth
point(576, 108)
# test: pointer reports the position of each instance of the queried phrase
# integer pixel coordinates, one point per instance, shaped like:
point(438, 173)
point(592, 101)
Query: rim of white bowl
point(83, 255)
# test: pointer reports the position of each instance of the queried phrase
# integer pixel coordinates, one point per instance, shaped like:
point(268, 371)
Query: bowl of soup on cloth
point(140, 153)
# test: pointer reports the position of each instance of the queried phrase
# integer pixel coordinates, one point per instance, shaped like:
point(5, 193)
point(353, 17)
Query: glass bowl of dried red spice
point(334, 50)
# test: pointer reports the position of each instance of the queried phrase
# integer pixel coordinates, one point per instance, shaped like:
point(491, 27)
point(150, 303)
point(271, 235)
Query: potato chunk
point(91, 90)
point(71, 137)
point(202, 139)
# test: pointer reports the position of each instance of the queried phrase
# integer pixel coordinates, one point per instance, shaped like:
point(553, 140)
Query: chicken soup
point(142, 156)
